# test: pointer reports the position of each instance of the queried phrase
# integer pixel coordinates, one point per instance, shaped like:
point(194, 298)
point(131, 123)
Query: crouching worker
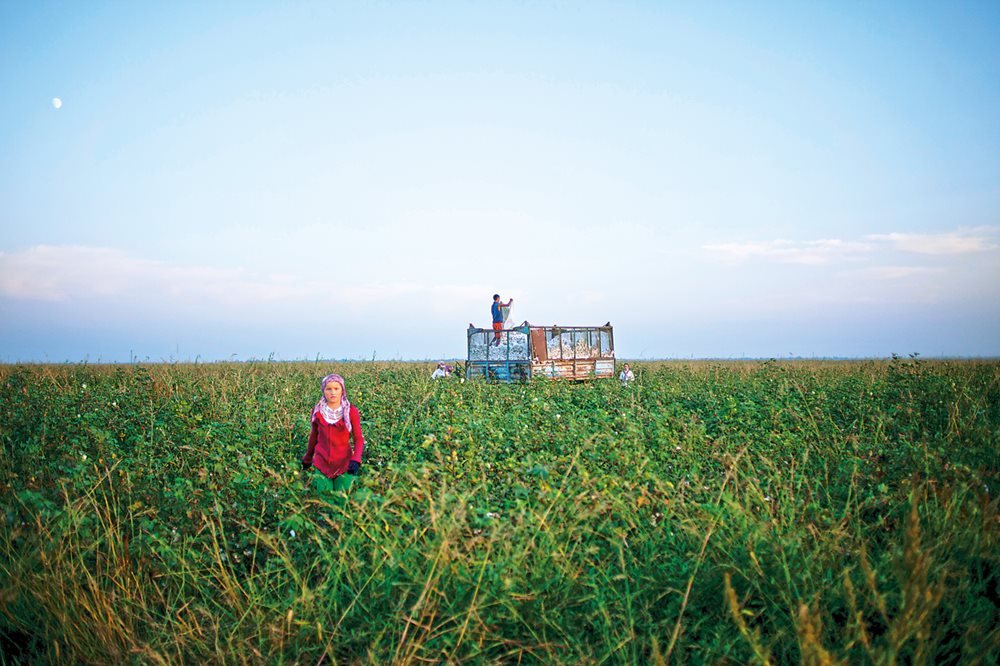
point(442, 371)
point(335, 421)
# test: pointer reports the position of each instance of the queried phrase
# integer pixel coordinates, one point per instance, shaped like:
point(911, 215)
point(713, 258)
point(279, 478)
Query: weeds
point(712, 512)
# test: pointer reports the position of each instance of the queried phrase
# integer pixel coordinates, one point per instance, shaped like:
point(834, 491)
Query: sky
point(248, 180)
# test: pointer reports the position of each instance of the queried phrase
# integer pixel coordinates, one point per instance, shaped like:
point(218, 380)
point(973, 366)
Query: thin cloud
point(62, 273)
point(58, 273)
point(896, 272)
point(962, 241)
point(73, 272)
point(818, 252)
point(832, 251)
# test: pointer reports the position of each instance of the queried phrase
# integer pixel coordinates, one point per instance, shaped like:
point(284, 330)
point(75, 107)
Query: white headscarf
point(333, 414)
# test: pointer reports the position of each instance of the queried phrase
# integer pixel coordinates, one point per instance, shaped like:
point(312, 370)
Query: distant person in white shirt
point(626, 375)
point(442, 370)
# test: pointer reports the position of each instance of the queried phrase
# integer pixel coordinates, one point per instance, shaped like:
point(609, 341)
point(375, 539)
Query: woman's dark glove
point(353, 467)
point(306, 464)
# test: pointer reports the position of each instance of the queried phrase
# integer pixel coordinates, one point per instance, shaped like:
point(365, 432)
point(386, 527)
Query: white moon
point(56, 102)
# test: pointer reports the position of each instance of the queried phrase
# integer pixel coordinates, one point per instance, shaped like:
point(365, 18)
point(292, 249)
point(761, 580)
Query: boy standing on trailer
point(498, 316)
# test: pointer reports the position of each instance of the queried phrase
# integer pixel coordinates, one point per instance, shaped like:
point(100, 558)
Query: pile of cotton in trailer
point(481, 345)
point(570, 350)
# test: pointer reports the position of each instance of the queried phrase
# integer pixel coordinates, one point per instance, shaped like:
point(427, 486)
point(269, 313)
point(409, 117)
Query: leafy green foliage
point(710, 512)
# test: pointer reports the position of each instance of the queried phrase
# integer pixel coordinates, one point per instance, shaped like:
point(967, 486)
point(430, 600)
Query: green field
point(731, 512)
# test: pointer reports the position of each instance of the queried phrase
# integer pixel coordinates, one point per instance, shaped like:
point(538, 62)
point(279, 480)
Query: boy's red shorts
point(497, 326)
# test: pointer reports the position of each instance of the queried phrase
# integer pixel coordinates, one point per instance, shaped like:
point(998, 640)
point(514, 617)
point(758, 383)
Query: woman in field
point(335, 421)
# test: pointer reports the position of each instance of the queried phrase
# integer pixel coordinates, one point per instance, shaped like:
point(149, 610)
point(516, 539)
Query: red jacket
point(329, 445)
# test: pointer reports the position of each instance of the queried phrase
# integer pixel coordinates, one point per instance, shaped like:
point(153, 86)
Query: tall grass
point(722, 513)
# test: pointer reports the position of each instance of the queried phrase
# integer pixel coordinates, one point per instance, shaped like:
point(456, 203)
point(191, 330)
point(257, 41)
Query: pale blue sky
point(241, 180)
